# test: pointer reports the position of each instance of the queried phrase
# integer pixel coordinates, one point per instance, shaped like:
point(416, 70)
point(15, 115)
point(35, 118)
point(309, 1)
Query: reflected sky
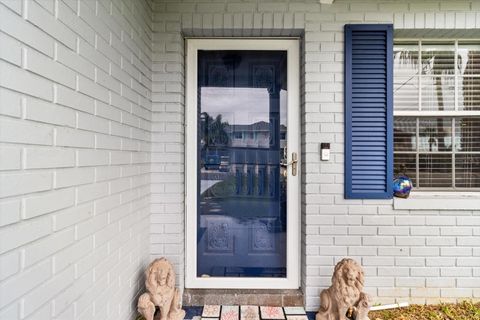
point(241, 105)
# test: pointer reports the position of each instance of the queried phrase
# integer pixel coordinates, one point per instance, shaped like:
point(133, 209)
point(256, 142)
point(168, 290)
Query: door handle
point(293, 163)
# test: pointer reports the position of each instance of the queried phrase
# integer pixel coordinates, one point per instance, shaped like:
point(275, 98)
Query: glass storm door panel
point(241, 141)
point(242, 137)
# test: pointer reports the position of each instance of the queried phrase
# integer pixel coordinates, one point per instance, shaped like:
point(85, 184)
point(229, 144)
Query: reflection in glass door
point(242, 154)
point(242, 130)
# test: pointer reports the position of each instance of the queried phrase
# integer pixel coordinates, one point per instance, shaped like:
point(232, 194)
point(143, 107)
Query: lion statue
point(345, 299)
point(160, 283)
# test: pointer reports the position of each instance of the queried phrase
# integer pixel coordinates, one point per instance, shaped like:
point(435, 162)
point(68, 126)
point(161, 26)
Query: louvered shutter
point(368, 111)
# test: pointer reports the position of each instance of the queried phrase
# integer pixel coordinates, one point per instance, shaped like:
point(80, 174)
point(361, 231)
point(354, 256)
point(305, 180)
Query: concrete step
point(264, 297)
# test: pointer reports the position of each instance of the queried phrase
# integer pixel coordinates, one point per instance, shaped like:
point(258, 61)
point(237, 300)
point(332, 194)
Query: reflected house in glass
point(256, 135)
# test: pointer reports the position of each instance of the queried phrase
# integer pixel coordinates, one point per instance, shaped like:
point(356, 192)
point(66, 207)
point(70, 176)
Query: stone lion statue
point(160, 284)
point(345, 299)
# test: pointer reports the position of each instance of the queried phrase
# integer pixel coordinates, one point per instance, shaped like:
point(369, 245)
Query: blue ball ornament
point(402, 185)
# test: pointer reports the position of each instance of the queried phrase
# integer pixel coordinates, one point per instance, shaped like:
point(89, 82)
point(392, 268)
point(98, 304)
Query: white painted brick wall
point(407, 254)
point(75, 139)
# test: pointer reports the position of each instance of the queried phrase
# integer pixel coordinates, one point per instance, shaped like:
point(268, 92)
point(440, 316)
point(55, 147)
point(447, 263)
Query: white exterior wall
point(75, 121)
point(415, 255)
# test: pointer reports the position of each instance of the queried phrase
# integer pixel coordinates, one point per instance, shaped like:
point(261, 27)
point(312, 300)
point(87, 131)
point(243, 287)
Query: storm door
point(242, 163)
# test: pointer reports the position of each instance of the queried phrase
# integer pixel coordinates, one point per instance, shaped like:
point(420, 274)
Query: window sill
point(439, 201)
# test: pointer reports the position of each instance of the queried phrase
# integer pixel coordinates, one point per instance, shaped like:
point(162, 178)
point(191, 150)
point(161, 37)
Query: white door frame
point(291, 45)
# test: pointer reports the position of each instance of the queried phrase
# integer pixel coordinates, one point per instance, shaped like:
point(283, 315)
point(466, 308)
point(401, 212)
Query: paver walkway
point(218, 312)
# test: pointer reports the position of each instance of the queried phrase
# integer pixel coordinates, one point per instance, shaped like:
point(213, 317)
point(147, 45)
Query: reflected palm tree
point(439, 64)
point(214, 133)
point(440, 67)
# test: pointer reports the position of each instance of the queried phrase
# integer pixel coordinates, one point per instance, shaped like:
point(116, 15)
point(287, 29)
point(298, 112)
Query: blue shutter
point(368, 111)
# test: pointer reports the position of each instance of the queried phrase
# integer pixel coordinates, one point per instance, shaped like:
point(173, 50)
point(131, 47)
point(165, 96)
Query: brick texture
point(403, 251)
point(75, 141)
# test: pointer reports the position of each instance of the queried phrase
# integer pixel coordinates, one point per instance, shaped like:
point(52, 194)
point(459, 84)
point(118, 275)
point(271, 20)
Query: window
point(437, 113)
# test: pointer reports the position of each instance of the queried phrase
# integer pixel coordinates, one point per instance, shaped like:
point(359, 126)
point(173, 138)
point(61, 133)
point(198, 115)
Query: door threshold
point(258, 297)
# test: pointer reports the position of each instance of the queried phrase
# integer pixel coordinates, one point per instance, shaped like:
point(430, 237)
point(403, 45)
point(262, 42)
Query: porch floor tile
point(297, 317)
point(294, 310)
point(247, 312)
point(211, 311)
point(274, 313)
point(230, 313)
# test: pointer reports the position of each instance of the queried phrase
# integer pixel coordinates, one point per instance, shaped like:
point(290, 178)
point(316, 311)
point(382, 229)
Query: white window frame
point(441, 199)
point(415, 114)
point(292, 280)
